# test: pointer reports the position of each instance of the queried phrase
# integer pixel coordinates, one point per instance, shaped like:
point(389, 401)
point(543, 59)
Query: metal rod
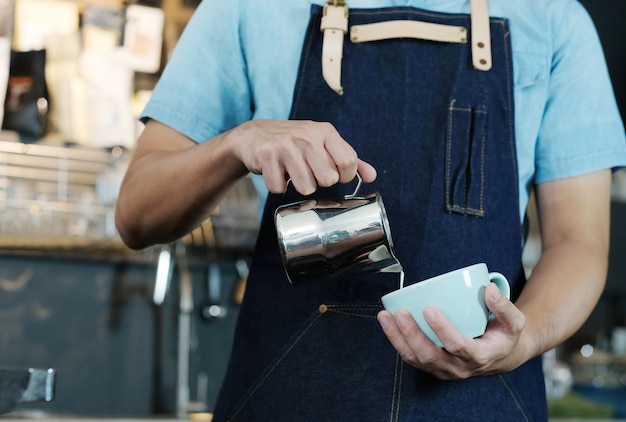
point(184, 332)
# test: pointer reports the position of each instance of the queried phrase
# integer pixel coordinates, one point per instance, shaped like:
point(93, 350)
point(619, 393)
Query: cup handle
point(502, 283)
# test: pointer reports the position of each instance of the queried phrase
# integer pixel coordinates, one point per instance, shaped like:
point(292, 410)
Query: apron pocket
point(465, 159)
point(339, 364)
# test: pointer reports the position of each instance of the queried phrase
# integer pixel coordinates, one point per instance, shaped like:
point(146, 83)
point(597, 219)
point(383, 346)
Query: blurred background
point(146, 334)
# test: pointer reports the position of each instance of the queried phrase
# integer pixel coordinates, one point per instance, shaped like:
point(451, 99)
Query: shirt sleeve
point(204, 89)
point(581, 130)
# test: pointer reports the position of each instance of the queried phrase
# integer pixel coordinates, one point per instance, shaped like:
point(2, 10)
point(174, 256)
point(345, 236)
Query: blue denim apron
point(441, 136)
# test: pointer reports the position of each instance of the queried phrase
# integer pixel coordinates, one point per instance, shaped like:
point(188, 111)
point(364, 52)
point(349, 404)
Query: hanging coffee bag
point(26, 103)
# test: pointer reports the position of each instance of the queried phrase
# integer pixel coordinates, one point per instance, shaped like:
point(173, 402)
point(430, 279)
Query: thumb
point(367, 171)
point(502, 308)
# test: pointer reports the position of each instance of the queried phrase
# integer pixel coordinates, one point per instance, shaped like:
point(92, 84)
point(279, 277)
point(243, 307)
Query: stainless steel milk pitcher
point(337, 237)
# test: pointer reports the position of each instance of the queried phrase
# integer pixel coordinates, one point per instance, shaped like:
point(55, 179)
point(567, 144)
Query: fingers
point(312, 154)
point(392, 326)
point(301, 175)
point(367, 171)
point(274, 177)
point(329, 158)
point(418, 351)
point(461, 356)
point(406, 337)
point(343, 157)
point(453, 341)
point(508, 318)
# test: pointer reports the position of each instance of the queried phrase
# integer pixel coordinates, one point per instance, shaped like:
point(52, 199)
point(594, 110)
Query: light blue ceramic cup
point(459, 294)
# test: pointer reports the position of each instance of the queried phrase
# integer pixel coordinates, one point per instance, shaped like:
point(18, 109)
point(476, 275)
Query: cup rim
point(436, 278)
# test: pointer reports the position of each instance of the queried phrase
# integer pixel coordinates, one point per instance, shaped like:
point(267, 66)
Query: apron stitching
point(514, 397)
point(345, 309)
point(397, 387)
point(449, 155)
point(483, 146)
point(466, 210)
point(352, 314)
point(509, 84)
point(354, 305)
point(450, 206)
point(262, 381)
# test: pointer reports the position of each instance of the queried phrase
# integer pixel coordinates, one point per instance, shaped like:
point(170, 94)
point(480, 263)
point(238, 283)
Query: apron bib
point(440, 133)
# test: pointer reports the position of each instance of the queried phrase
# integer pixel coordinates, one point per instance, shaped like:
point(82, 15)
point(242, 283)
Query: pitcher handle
point(359, 182)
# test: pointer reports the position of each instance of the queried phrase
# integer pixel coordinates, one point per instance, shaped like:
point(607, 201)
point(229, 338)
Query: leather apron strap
point(334, 25)
point(481, 37)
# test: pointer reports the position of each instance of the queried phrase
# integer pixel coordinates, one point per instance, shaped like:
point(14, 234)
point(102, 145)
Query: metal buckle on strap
point(335, 3)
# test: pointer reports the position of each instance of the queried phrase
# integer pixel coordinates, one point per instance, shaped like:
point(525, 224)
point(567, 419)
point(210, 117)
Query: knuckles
point(327, 179)
point(456, 348)
point(426, 359)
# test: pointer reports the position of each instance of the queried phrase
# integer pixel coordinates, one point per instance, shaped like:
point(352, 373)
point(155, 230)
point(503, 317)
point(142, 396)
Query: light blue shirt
point(238, 59)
